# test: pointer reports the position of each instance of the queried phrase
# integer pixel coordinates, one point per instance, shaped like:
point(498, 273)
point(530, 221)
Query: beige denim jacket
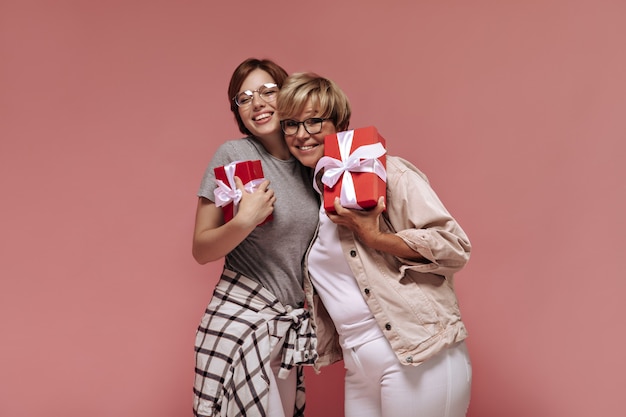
point(414, 303)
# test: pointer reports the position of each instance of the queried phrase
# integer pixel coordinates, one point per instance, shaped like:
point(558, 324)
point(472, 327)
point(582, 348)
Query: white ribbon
point(228, 193)
point(363, 159)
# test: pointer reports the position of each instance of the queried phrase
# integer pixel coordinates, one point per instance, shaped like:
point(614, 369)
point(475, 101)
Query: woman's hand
point(254, 207)
point(365, 224)
point(214, 239)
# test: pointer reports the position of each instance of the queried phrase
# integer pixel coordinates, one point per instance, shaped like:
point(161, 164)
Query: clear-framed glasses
point(267, 92)
point(312, 125)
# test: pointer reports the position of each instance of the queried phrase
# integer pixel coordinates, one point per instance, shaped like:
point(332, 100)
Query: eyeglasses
point(312, 125)
point(267, 92)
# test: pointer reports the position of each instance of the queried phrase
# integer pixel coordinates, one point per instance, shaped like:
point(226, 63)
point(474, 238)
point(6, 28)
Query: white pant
point(378, 385)
point(282, 394)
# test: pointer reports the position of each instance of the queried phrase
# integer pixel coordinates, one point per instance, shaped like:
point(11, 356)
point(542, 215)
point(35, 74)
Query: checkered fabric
point(233, 344)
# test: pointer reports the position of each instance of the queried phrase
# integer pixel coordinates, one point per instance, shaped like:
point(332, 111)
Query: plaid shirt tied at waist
point(238, 331)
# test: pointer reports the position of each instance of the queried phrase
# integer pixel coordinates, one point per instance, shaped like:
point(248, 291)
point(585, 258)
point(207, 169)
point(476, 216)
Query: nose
point(301, 133)
point(256, 99)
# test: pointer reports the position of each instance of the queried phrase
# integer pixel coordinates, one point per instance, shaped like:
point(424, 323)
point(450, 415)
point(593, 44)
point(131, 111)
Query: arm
point(418, 217)
point(436, 242)
point(213, 239)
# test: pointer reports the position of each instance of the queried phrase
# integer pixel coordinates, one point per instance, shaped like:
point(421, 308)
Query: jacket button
point(367, 291)
point(353, 253)
point(409, 359)
point(388, 326)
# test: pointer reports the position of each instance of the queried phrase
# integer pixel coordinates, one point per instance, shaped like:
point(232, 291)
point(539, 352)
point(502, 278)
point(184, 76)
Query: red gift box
point(250, 173)
point(354, 168)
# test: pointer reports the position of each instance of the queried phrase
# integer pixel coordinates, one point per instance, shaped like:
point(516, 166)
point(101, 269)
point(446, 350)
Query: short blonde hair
point(325, 96)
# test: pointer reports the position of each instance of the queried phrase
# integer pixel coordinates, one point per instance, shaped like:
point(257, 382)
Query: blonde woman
point(380, 282)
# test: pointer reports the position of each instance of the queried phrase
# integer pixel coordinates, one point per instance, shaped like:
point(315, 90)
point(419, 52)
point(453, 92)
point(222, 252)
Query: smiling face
point(309, 148)
point(305, 96)
point(259, 116)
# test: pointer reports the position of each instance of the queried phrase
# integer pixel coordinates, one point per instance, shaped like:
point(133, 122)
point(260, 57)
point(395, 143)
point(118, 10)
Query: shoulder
point(238, 150)
point(398, 167)
point(246, 145)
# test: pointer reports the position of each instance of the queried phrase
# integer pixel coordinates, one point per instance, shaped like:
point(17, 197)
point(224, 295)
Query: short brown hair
point(239, 76)
point(325, 95)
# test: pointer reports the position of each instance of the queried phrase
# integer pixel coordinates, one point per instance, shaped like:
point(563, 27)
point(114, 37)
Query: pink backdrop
point(109, 112)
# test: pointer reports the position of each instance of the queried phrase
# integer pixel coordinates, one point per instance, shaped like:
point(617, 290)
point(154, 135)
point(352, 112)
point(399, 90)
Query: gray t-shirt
point(272, 254)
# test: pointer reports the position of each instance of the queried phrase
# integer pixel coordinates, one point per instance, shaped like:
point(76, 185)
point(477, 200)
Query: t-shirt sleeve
point(230, 151)
point(207, 185)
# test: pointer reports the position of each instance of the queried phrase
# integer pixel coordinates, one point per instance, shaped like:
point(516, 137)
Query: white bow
point(228, 193)
point(363, 159)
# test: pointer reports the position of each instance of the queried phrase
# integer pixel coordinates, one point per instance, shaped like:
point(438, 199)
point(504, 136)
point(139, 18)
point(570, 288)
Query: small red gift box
point(354, 168)
point(250, 173)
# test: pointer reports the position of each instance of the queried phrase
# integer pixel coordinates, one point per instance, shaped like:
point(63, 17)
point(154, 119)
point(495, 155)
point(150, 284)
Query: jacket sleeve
point(418, 216)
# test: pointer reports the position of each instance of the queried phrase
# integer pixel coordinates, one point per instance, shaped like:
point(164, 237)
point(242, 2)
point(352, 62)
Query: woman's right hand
point(254, 207)
point(213, 239)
